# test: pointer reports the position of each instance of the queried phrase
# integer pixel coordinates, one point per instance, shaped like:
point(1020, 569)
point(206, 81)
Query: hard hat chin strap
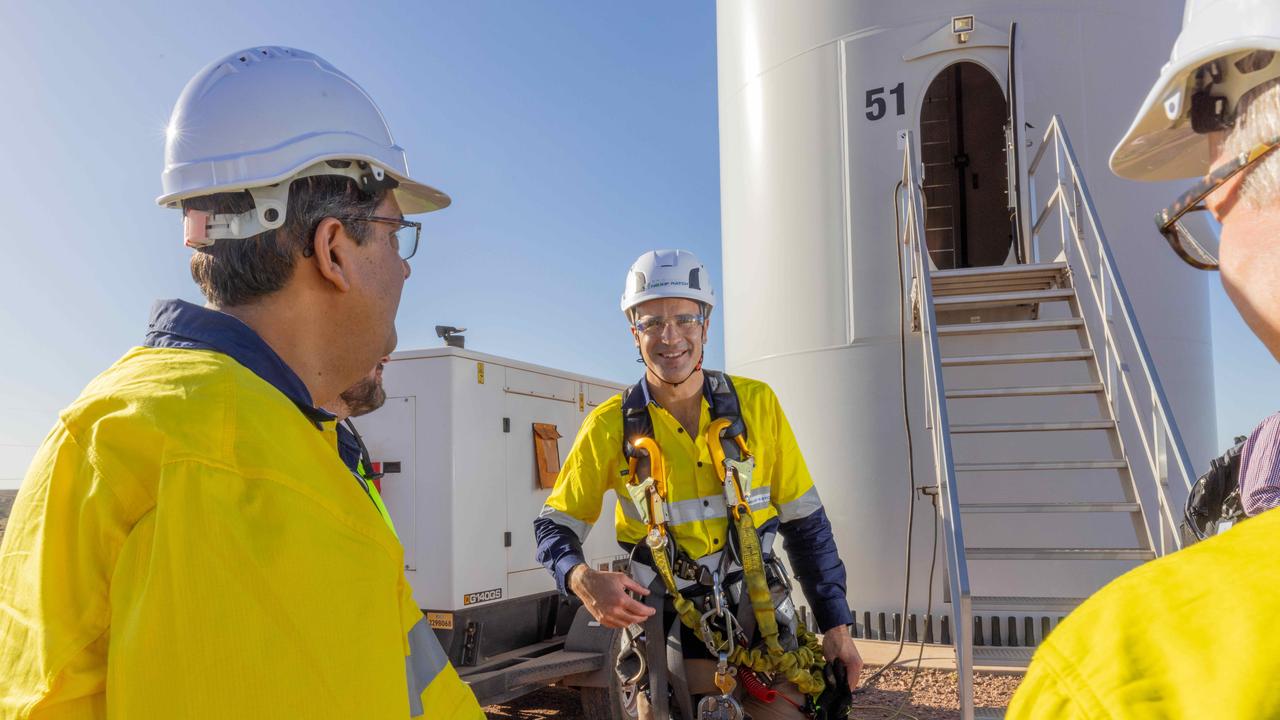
point(701, 355)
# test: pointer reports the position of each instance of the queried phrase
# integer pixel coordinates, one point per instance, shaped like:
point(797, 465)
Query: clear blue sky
point(572, 136)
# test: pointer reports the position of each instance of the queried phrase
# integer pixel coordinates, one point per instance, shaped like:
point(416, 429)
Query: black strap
point(675, 661)
point(655, 651)
point(364, 452)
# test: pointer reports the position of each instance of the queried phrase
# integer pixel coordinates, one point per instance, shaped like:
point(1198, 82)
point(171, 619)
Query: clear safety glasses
point(1195, 238)
point(405, 239)
point(684, 324)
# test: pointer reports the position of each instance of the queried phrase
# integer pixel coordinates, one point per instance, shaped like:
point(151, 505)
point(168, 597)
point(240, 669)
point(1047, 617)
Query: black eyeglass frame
point(1193, 199)
point(417, 229)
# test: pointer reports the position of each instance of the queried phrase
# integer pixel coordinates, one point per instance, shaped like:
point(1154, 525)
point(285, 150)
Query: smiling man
point(701, 536)
point(187, 542)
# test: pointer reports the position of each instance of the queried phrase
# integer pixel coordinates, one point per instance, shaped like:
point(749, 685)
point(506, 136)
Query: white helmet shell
point(260, 116)
point(1161, 145)
point(667, 274)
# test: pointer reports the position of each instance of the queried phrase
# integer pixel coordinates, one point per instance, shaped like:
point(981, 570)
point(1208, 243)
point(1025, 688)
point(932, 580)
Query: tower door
point(962, 139)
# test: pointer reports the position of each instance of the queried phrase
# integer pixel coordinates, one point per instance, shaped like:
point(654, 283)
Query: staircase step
point(1009, 327)
point(981, 285)
point(998, 271)
point(1010, 657)
point(999, 299)
point(1033, 427)
point(1016, 358)
point(1027, 605)
point(1053, 507)
point(1043, 465)
point(1028, 391)
point(1058, 554)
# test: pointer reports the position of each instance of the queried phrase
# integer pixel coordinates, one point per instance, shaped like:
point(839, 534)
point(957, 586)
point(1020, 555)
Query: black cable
point(928, 610)
point(906, 419)
point(911, 473)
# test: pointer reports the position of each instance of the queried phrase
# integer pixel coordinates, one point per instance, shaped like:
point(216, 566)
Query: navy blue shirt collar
point(349, 448)
point(649, 398)
point(180, 324)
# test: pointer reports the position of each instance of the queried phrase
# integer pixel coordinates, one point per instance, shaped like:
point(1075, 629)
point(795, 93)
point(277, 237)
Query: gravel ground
point(933, 698)
point(6, 502)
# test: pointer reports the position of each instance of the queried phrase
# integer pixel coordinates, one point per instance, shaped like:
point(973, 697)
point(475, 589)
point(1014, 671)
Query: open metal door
point(1015, 141)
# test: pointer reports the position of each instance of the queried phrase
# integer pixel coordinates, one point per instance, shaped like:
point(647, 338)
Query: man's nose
point(407, 270)
point(669, 333)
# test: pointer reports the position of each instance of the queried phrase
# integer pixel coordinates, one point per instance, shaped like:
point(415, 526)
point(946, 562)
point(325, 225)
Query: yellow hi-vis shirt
point(1191, 635)
point(782, 486)
point(186, 544)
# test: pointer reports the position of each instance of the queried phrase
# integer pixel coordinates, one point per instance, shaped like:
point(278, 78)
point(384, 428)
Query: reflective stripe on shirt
point(425, 661)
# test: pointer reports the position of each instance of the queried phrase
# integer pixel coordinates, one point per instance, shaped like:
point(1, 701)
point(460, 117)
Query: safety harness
point(726, 637)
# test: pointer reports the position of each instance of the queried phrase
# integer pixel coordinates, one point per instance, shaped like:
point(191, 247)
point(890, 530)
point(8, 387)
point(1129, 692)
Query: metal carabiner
point(719, 707)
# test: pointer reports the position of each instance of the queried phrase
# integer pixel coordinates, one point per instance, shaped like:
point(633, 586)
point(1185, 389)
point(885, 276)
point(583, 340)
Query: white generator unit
point(469, 446)
point(457, 444)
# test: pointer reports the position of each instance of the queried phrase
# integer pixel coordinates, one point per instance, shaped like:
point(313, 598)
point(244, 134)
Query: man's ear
point(331, 244)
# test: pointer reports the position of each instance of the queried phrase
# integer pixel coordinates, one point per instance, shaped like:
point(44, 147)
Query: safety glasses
point(654, 325)
point(405, 239)
point(1195, 238)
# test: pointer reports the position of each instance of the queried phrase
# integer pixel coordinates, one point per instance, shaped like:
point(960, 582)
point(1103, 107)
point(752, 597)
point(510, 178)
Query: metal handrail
point(936, 413)
point(1108, 300)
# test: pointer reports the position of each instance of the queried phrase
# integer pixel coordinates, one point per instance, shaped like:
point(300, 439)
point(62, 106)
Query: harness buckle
point(719, 707)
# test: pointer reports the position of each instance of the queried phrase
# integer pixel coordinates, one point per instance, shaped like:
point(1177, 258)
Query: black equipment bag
point(1215, 498)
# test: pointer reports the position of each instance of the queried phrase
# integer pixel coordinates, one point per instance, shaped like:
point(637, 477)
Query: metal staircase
point(1052, 437)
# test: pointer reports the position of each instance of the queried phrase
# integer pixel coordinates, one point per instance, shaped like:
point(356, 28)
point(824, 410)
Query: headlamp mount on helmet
point(271, 203)
point(1220, 83)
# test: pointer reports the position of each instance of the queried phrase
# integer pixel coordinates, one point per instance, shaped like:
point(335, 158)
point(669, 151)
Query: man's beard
point(364, 397)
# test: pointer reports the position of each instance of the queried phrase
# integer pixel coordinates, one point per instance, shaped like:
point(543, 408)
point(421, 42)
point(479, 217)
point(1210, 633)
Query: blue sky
point(572, 136)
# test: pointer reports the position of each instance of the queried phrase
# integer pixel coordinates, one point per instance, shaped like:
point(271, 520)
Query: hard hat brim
point(413, 197)
point(1157, 148)
point(416, 198)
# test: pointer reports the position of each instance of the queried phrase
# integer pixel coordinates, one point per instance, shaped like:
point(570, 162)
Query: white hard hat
point(667, 274)
point(1165, 141)
point(266, 115)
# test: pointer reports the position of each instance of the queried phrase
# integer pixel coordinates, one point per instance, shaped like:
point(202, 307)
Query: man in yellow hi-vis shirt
point(187, 542)
point(1192, 635)
point(667, 300)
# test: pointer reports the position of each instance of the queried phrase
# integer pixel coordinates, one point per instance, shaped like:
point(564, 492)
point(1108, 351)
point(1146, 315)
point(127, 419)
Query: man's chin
point(671, 376)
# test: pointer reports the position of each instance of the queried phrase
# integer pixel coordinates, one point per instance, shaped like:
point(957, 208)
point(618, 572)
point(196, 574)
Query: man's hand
point(605, 596)
point(837, 644)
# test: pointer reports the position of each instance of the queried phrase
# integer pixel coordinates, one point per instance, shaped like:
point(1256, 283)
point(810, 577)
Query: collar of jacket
point(180, 324)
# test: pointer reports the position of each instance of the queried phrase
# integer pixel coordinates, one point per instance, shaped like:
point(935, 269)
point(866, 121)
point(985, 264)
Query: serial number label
point(440, 620)
point(482, 596)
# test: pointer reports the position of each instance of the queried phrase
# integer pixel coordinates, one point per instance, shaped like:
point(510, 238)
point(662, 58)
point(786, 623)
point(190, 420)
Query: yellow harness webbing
point(802, 666)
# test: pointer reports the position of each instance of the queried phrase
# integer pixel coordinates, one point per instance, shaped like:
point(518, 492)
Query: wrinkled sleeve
point(1045, 692)
point(806, 531)
point(574, 504)
point(62, 538)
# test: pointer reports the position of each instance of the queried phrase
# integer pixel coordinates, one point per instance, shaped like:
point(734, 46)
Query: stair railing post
point(1161, 471)
point(944, 465)
point(1165, 440)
